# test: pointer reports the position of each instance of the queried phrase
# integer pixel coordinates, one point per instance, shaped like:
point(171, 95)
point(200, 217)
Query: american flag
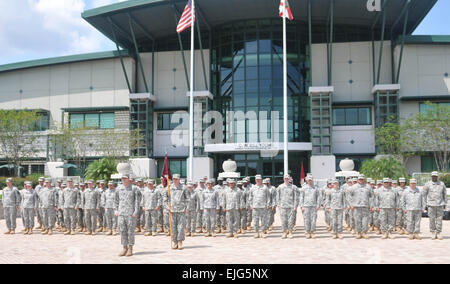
point(186, 18)
point(288, 10)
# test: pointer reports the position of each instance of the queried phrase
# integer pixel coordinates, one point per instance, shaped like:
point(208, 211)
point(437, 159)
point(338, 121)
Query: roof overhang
point(156, 17)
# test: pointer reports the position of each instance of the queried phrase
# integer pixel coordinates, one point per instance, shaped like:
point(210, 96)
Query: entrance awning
point(257, 147)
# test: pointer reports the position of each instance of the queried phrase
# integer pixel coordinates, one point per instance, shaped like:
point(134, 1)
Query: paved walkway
point(58, 248)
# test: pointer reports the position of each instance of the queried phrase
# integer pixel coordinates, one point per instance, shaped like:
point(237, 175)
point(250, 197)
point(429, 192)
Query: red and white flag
point(186, 17)
point(288, 10)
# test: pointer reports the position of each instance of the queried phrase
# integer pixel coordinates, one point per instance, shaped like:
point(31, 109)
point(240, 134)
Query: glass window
point(76, 120)
point(106, 120)
point(169, 121)
point(352, 116)
point(91, 120)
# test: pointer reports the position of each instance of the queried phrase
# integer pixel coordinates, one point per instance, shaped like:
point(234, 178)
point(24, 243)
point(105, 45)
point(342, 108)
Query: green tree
point(101, 169)
point(17, 140)
point(429, 131)
point(384, 167)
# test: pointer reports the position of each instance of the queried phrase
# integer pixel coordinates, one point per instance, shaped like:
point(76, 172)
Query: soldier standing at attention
point(413, 205)
point(179, 199)
point(11, 201)
point(101, 210)
point(344, 189)
point(126, 207)
point(70, 200)
point(270, 216)
point(241, 218)
point(220, 221)
point(193, 207)
point(160, 189)
point(360, 194)
point(200, 219)
point(29, 207)
point(376, 214)
point(140, 216)
point(401, 218)
point(209, 205)
point(249, 212)
point(47, 197)
point(231, 204)
point(80, 211)
point(310, 204)
point(287, 203)
point(108, 200)
point(59, 214)
point(91, 205)
point(436, 199)
point(39, 212)
point(259, 200)
point(387, 207)
point(336, 199)
point(150, 207)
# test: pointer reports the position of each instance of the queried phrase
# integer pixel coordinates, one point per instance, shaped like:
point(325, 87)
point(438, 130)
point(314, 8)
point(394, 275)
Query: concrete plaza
point(80, 248)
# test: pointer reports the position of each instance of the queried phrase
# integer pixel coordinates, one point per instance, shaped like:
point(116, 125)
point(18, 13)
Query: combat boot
point(30, 231)
point(290, 235)
point(124, 251)
point(365, 236)
point(13, 232)
point(50, 231)
point(335, 237)
point(154, 234)
point(405, 232)
point(358, 236)
point(271, 228)
point(284, 236)
point(174, 245)
point(188, 234)
point(308, 235)
point(203, 230)
point(256, 235)
point(100, 230)
point(434, 236)
point(353, 231)
point(114, 232)
point(109, 233)
point(45, 232)
point(263, 235)
point(88, 233)
point(236, 236)
point(391, 236)
point(130, 251)
point(67, 232)
point(137, 230)
point(7, 232)
point(417, 237)
point(411, 236)
point(72, 232)
point(148, 234)
point(213, 234)
point(192, 234)
point(385, 236)
point(313, 236)
point(39, 227)
point(80, 230)
point(94, 233)
point(438, 236)
point(230, 235)
point(396, 228)
point(207, 234)
point(378, 232)
point(180, 245)
point(84, 230)
point(339, 236)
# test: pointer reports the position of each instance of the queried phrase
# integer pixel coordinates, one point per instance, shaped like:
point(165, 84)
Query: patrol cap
point(258, 177)
point(354, 179)
point(41, 179)
point(125, 176)
point(413, 180)
point(361, 177)
point(266, 180)
point(200, 180)
point(151, 181)
point(309, 178)
point(386, 180)
point(334, 181)
point(59, 181)
point(110, 182)
point(402, 179)
point(190, 184)
point(69, 179)
point(220, 178)
point(379, 181)
point(9, 180)
point(209, 182)
point(205, 177)
point(225, 182)
point(64, 184)
point(230, 180)
point(372, 181)
point(286, 176)
point(434, 174)
point(176, 176)
point(90, 181)
point(394, 181)
point(76, 184)
point(102, 182)
point(28, 183)
point(240, 182)
point(48, 180)
point(139, 180)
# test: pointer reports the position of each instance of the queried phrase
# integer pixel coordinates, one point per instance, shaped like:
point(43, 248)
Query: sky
point(36, 29)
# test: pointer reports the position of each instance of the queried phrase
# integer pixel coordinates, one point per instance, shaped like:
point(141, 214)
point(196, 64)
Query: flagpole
point(285, 107)
point(170, 209)
point(191, 102)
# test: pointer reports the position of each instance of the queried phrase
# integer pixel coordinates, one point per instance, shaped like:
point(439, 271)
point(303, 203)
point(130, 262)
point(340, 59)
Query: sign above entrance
point(256, 147)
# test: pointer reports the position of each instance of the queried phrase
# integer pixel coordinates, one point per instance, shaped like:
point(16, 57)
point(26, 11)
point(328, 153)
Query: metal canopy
point(156, 16)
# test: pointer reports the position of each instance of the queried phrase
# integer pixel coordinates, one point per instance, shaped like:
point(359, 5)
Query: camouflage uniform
point(344, 189)
point(150, 201)
point(80, 212)
point(70, 200)
point(413, 202)
point(140, 218)
point(91, 203)
point(231, 203)
point(324, 203)
point(160, 190)
point(48, 203)
point(209, 203)
point(387, 200)
point(400, 216)
point(39, 211)
point(244, 208)
point(220, 217)
point(126, 206)
point(11, 200)
point(259, 200)
point(287, 200)
point(30, 204)
point(360, 198)
point(436, 200)
point(193, 207)
point(375, 204)
point(336, 200)
point(271, 211)
point(59, 214)
point(309, 201)
point(179, 199)
point(249, 211)
point(200, 217)
point(108, 200)
point(101, 207)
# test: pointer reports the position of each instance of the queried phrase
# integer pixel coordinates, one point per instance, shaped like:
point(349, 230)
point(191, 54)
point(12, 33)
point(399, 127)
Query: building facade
point(349, 71)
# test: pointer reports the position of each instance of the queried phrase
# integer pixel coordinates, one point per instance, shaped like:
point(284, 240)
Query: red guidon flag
point(186, 17)
point(165, 172)
point(288, 10)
